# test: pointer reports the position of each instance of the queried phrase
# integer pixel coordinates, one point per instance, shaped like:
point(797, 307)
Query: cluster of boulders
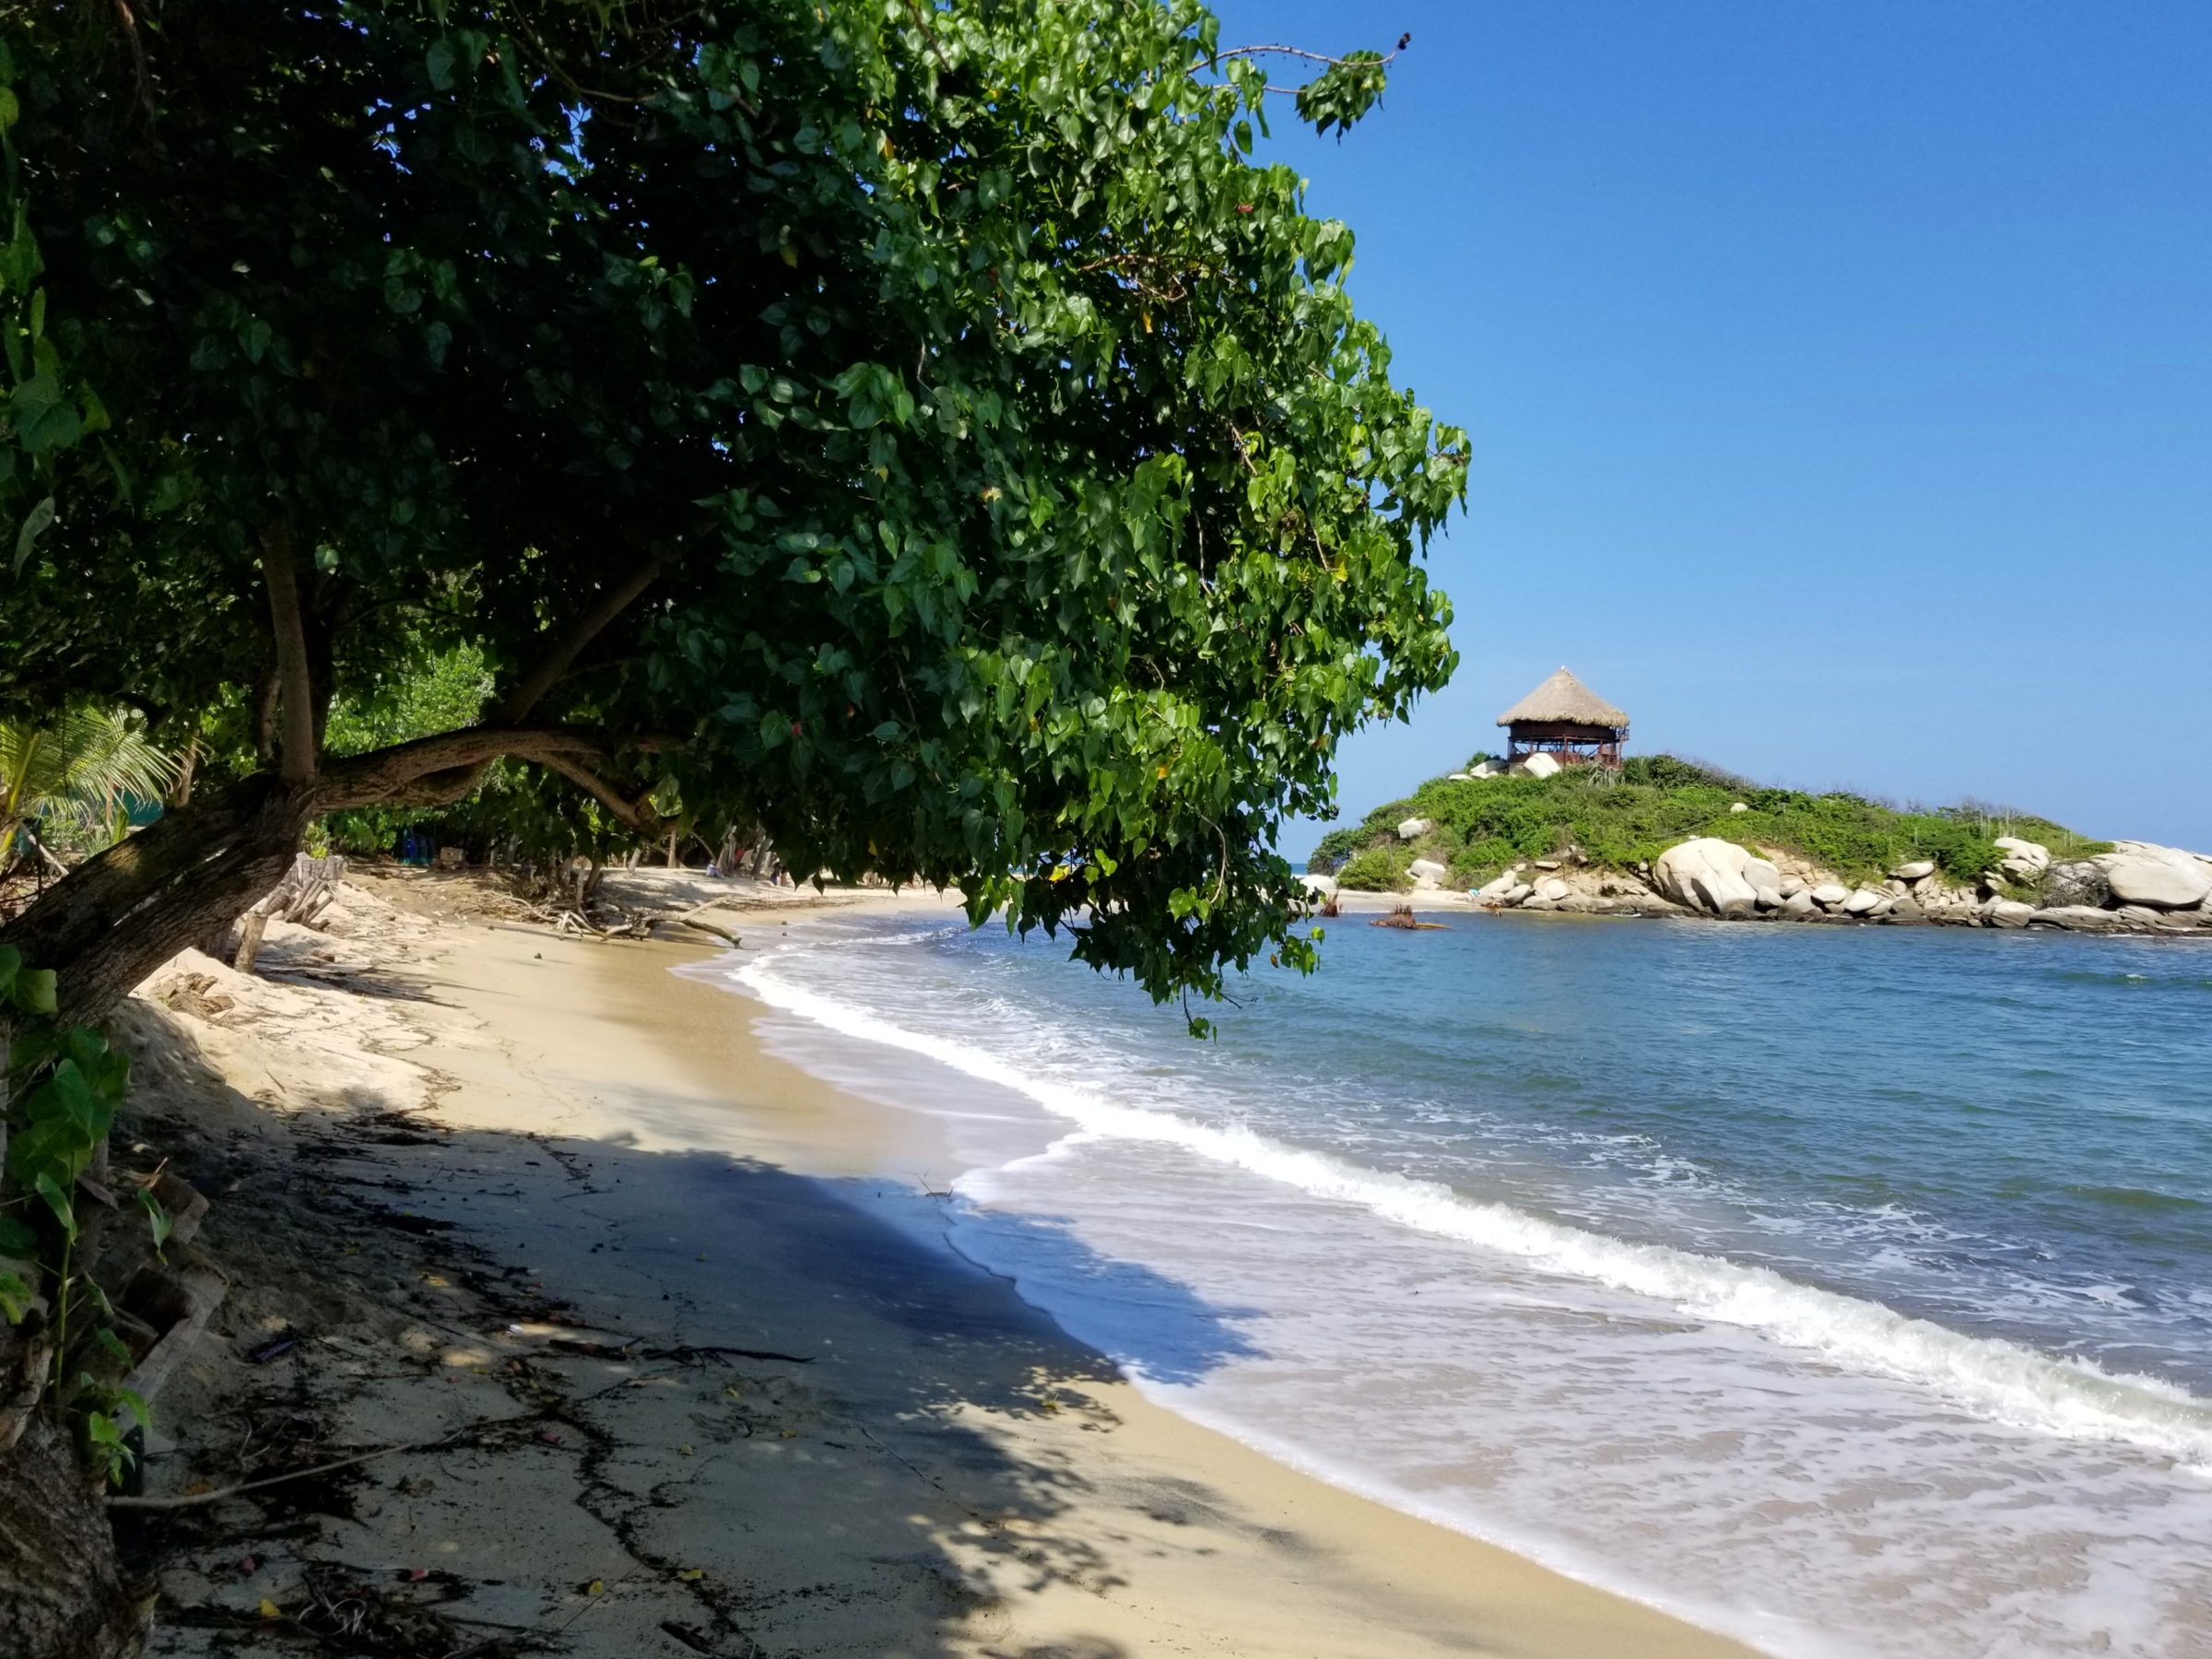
point(1538, 765)
point(2136, 886)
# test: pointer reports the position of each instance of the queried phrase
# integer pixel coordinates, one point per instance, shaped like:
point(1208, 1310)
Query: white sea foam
point(2003, 1382)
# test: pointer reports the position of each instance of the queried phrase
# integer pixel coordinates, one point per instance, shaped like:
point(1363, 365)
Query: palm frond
point(82, 767)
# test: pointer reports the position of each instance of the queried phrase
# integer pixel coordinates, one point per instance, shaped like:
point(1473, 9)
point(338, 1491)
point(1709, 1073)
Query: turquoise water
point(1850, 1291)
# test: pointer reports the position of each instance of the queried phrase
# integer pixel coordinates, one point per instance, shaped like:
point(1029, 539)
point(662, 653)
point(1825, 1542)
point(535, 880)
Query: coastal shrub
point(1967, 858)
point(1670, 771)
point(1336, 847)
point(1474, 864)
point(1376, 870)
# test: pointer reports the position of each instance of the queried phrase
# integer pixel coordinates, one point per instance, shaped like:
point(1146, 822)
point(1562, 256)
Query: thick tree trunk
point(62, 1595)
point(183, 878)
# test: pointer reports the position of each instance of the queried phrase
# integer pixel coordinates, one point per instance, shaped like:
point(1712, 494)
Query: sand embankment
point(678, 1377)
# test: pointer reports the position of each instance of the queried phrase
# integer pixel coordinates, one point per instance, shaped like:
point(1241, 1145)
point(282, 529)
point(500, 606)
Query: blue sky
point(1838, 376)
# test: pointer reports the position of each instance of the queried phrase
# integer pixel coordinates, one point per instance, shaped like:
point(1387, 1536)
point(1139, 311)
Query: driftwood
point(690, 919)
point(1403, 917)
point(308, 889)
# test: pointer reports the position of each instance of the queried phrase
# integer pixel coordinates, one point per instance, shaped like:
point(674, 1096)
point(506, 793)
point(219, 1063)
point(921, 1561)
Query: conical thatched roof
point(1565, 700)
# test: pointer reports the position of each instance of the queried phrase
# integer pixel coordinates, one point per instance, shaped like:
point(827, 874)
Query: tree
point(923, 432)
point(81, 770)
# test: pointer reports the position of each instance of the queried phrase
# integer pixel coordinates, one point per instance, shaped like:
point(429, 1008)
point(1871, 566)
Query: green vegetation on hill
point(1484, 825)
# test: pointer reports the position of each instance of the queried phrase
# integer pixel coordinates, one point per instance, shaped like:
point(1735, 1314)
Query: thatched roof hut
point(1565, 719)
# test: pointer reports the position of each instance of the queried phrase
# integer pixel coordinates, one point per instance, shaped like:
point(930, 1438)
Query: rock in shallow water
point(1711, 875)
point(2081, 918)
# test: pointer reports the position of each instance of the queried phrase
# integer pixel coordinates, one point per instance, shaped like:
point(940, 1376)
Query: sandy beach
point(656, 1351)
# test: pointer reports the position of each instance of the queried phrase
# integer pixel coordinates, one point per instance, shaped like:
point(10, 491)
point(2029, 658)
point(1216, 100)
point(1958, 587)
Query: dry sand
point(686, 1374)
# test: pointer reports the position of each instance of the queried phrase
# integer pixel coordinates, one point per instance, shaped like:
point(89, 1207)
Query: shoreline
point(1364, 903)
point(914, 1461)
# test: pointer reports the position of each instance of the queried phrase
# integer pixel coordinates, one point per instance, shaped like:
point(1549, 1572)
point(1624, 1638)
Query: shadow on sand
point(916, 1489)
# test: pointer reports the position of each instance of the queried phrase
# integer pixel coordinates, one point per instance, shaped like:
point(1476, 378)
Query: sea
point(1847, 1290)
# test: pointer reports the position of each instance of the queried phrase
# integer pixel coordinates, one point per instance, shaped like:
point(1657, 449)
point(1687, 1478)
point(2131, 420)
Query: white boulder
point(1425, 872)
point(1321, 886)
point(1553, 889)
point(2010, 912)
point(1537, 766)
point(1495, 890)
point(1710, 875)
point(1830, 895)
point(1920, 869)
point(1739, 807)
point(1861, 903)
point(2162, 878)
point(1799, 904)
point(1413, 828)
point(2024, 861)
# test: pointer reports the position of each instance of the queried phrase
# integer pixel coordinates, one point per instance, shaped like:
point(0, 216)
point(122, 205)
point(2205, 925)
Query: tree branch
point(296, 742)
point(518, 703)
point(632, 815)
point(1383, 60)
point(430, 771)
point(1311, 57)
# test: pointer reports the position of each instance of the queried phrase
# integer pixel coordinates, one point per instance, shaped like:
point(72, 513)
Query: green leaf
point(53, 1149)
point(157, 1218)
point(57, 1200)
point(132, 1401)
point(33, 1047)
point(34, 990)
point(45, 418)
point(439, 61)
point(10, 960)
point(15, 1297)
point(16, 1240)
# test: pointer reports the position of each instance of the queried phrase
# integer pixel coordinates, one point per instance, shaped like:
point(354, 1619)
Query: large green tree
point(921, 430)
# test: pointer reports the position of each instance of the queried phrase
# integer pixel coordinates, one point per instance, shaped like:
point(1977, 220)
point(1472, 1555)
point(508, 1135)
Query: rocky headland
point(1758, 858)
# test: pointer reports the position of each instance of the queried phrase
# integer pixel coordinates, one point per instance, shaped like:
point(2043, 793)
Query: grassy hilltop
point(1484, 825)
